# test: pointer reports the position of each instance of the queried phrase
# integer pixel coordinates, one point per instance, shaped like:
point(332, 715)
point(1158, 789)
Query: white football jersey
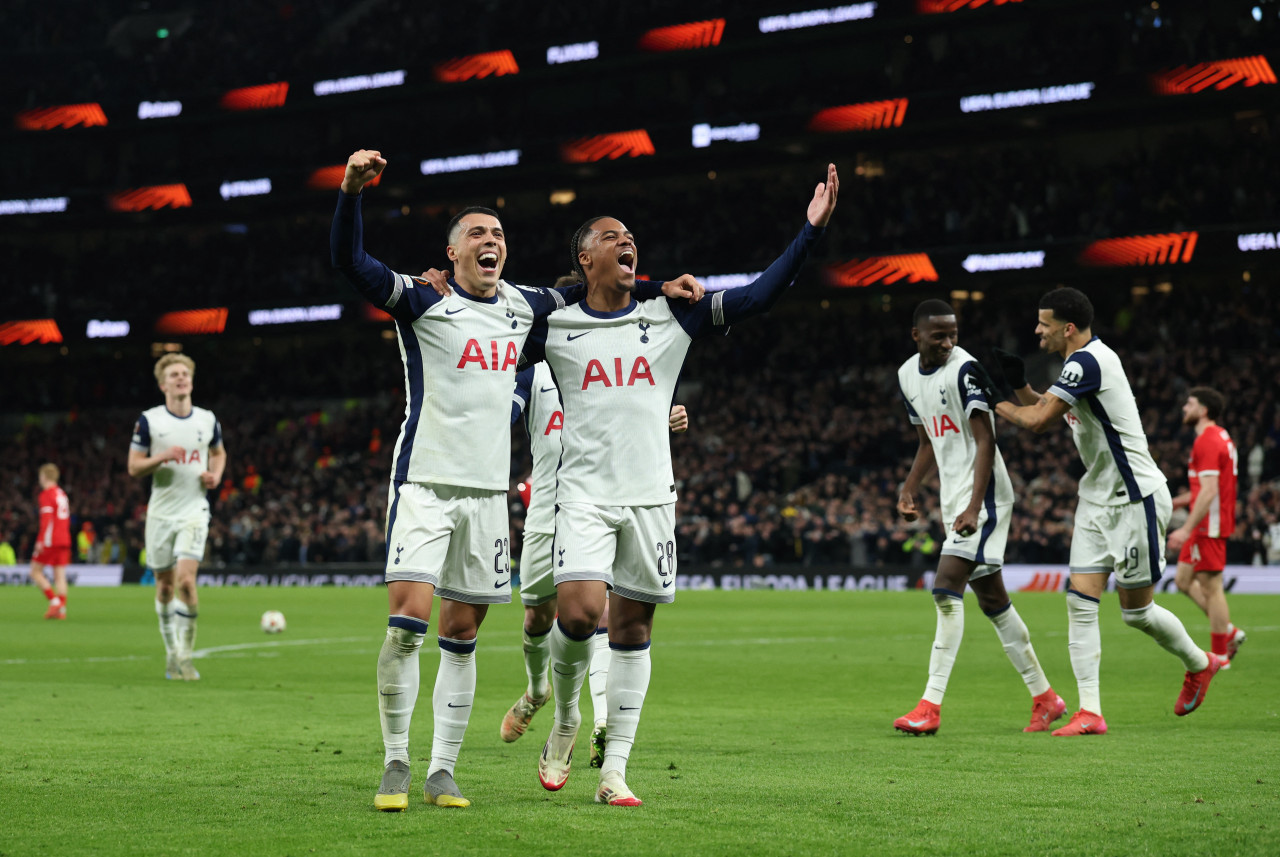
point(942, 400)
point(1107, 429)
point(539, 404)
point(617, 375)
point(176, 492)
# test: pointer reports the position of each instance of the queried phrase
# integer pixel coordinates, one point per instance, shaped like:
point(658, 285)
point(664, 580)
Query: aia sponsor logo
point(597, 373)
point(474, 354)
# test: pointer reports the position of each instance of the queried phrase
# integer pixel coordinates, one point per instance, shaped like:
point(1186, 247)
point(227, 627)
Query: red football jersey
point(1215, 453)
point(55, 519)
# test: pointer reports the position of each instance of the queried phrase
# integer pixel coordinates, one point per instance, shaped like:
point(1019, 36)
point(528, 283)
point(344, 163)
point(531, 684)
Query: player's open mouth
point(627, 261)
point(487, 261)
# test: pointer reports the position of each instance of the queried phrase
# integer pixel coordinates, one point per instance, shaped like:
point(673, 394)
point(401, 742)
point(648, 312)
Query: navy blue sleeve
point(404, 297)
point(142, 434)
point(971, 391)
point(911, 412)
point(1080, 377)
point(535, 346)
point(647, 290)
point(524, 391)
point(722, 309)
point(217, 435)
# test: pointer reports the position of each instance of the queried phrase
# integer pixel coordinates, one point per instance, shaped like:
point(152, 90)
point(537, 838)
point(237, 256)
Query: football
point(273, 621)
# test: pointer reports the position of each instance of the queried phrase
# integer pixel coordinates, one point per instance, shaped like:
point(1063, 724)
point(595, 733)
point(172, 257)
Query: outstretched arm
point(399, 295)
point(1047, 412)
point(759, 296)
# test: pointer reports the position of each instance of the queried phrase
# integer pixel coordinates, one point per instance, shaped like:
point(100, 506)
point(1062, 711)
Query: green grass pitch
point(767, 730)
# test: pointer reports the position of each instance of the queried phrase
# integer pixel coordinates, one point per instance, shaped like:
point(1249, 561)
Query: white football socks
point(629, 671)
point(1165, 628)
point(537, 655)
point(570, 658)
point(598, 675)
point(1084, 644)
point(184, 618)
point(1016, 640)
point(946, 643)
point(454, 693)
point(168, 629)
point(398, 684)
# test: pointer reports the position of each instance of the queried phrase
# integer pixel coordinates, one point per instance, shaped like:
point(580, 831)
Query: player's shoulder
point(909, 367)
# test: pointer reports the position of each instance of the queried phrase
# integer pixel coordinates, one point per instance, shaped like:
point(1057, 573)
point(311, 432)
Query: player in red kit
point(1201, 542)
point(53, 542)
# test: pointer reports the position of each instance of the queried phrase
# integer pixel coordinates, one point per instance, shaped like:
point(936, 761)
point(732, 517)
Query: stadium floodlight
point(295, 314)
point(46, 205)
point(976, 262)
point(159, 109)
point(102, 329)
point(557, 54)
point(1247, 242)
point(467, 163)
point(720, 282)
point(1027, 97)
point(359, 82)
point(250, 187)
point(817, 17)
point(704, 135)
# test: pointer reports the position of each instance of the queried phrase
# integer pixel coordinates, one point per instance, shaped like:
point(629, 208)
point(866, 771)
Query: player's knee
point(1139, 618)
point(578, 621)
point(948, 601)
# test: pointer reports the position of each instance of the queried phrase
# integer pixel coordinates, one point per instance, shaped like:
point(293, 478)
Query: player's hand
point(173, 453)
point(679, 420)
point(208, 480)
point(1013, 367)
point(978, 374)
point(824, 198)
point(1178, 538)
point(967, 523)
point(684, 286)
point(363, 166)
point(438, 280)
point(907, 506)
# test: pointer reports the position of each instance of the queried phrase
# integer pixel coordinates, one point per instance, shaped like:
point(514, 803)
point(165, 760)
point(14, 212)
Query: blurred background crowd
point(798, 442)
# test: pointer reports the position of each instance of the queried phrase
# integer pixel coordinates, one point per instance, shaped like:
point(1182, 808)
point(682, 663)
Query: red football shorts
point(1204, 553)
point(52, 556)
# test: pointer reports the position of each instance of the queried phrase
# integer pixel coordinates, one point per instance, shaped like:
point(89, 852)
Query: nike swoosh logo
point(546, 389)
point(1195, 700)
point(916, 723)
point(666, 583)
point(628, 708)
point(454, 311)
point(397, 693)
point(451, 705)
point(571, 337)
point(597, 672)
point(557, 672)
point(501, 583)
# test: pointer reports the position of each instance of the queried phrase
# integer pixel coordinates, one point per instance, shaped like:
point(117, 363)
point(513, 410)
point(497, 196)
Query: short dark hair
point(470, 209)
point(1069, 305)
point(567, 280)
point(575, 246)
point(929, 309)
point(1213, 401)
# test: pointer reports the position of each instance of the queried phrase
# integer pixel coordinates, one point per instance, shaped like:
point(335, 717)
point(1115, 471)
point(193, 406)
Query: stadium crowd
point(797, 446)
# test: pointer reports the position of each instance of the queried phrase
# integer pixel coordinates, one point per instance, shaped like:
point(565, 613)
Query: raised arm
point(759, 296)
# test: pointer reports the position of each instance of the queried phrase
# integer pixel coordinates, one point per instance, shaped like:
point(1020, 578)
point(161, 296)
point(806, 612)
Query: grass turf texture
point(767, 730)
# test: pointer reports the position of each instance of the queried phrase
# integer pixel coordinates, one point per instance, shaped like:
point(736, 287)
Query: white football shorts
point(171, 539)
point(1127, 539)
point(631, 548)
point(456, 539)
point(537, 584)
point(986, 545)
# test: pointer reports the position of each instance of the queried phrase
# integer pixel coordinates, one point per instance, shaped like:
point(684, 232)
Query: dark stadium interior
point(798, 441)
